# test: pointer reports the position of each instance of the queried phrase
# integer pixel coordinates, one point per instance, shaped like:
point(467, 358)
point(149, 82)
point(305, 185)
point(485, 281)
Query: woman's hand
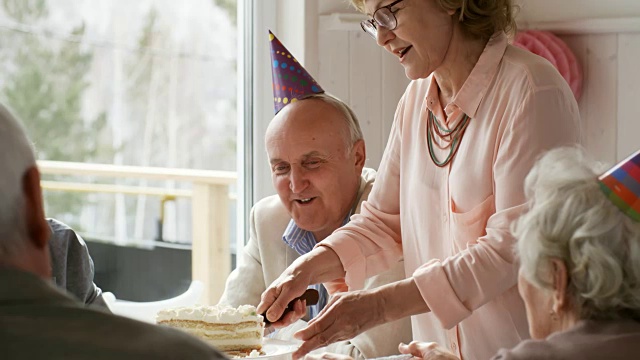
point(321, 264)
point(345, 316)
point(426, 351)
point(349, 314)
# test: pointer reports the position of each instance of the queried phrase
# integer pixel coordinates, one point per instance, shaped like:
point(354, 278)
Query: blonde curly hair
point(479, 18)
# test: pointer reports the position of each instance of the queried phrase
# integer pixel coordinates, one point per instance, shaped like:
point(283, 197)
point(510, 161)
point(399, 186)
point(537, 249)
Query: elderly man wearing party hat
point(316, 152)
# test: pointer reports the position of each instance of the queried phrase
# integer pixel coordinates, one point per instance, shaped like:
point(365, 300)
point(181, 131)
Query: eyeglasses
point(384, 17)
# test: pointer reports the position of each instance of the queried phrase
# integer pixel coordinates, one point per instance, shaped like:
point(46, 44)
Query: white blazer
point(266, 256)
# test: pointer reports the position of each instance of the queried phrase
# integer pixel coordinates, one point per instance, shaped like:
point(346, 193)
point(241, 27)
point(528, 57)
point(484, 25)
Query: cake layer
point(224, 340)
point(222, 336)
point(228, 329)
point(238, 327)
point(246, 330)
point(211, 314)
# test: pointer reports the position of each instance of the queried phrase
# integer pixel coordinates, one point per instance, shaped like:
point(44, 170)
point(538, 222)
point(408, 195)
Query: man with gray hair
point(317, 152)
point(37, 320)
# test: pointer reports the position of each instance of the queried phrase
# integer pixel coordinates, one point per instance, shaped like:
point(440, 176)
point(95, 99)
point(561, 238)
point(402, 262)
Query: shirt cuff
point(434, 286)
point(353, 262)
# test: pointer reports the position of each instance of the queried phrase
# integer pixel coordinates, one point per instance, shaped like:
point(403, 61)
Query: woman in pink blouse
point(466, 132)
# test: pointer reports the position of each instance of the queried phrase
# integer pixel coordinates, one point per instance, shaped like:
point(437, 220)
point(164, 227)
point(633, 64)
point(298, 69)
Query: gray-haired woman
point(580, 266)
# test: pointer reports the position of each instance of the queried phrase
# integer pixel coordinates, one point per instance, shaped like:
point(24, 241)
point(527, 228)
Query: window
point(149, 84)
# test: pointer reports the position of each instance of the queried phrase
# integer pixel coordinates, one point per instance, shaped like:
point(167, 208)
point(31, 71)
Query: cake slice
point(232, 330)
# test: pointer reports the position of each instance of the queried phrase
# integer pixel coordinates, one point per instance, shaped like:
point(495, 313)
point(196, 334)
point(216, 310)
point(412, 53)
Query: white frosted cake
point(233, 330)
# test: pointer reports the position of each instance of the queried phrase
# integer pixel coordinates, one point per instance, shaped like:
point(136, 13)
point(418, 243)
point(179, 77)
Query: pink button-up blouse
point(451, 224)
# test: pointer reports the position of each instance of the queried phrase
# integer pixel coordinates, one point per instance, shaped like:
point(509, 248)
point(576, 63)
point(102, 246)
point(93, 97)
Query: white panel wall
point(354, 68)
point(628, 130)
point(598, 104)
point(611, 98)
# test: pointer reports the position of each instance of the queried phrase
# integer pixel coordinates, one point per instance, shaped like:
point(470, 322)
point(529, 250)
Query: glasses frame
point(371, 23)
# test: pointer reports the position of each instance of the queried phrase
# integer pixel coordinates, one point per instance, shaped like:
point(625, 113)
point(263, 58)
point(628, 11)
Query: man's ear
point(560, 279)
point(37, 227)
point(359, 153)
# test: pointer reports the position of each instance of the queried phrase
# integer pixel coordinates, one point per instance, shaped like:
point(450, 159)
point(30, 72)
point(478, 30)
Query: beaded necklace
point(450, 138)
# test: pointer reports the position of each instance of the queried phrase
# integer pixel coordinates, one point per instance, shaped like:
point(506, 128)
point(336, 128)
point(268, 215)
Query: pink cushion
point(552, 48)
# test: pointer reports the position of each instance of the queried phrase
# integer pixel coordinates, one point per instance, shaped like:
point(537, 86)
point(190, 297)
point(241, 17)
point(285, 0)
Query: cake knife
point(310, 295)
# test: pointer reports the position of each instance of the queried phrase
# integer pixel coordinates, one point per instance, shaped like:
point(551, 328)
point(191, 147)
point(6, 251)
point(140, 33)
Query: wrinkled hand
point(426, 351)
point(276, 298)
point(327, 356)
point(345, 316)
point(298, 312)
point(321, 264)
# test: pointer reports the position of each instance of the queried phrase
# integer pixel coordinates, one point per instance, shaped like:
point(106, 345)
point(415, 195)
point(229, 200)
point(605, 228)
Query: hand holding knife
point(311, 297)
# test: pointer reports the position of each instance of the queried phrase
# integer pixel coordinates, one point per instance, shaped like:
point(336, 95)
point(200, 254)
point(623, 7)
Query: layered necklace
point(447, 138)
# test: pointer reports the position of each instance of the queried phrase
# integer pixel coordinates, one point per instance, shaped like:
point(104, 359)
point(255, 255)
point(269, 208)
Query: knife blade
point(310, 295)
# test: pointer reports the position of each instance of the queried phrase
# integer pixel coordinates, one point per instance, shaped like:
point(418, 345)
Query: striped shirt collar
point(302, 241)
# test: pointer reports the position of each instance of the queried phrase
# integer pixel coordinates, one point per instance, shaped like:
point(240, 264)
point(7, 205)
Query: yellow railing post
point(211, 258)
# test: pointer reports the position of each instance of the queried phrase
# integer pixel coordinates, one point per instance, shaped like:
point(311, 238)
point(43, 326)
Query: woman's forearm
point(322, 264)
point(401, 299)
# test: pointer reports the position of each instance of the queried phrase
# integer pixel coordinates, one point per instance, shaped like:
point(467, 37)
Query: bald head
point(22, 224)
point(315, 165)
point(349, 129)
point(16, 153)
point(16, 157)
point(309, 115)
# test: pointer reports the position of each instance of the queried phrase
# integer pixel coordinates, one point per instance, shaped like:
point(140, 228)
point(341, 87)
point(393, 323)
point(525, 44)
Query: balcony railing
point(209, 194)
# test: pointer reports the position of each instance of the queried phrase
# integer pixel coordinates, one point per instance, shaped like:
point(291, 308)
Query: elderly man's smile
point(305, 201)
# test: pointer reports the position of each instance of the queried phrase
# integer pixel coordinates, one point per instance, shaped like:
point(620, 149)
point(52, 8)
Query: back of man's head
point(16, 158)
